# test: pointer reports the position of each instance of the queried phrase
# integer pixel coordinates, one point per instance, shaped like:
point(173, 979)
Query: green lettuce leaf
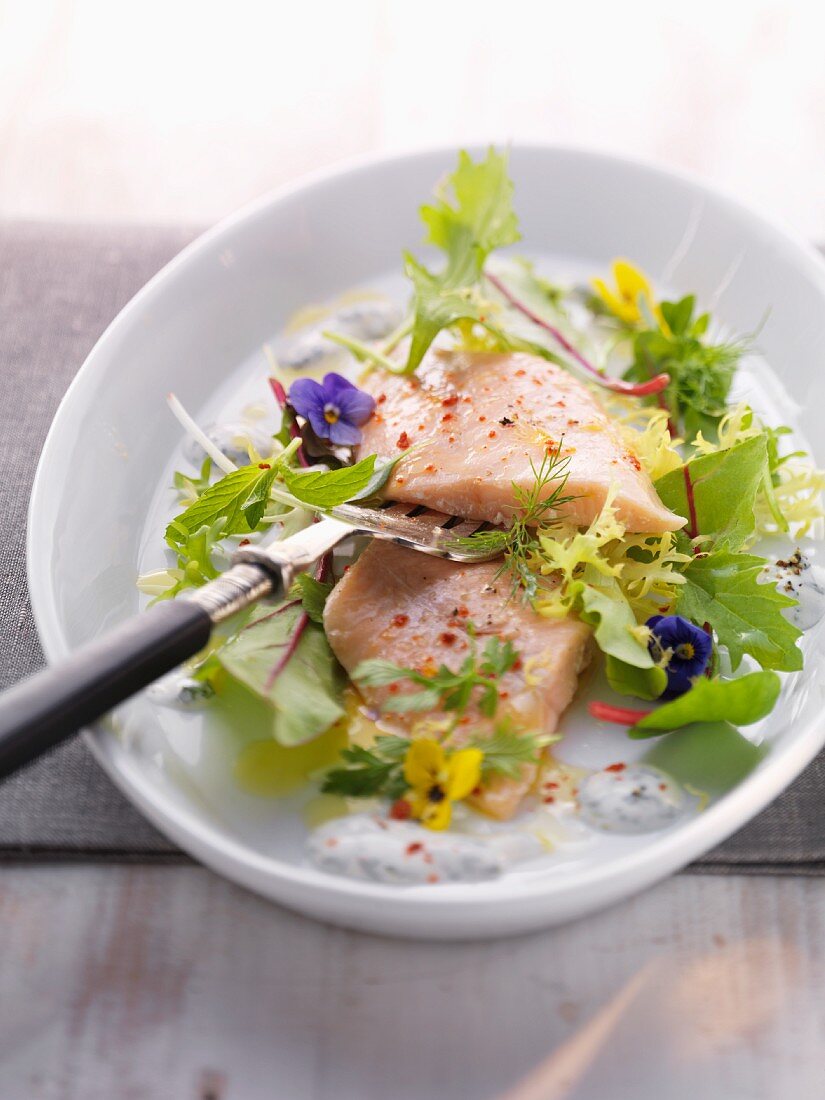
point(306, 697)
point(739, 702)
point(482, 217)
point(723, 589)
point(467, 225)
point(725, 486)
point(643, 683)
point(604, 607)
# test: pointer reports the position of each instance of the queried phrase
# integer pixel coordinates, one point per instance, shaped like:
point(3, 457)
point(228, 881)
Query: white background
point(179, 111)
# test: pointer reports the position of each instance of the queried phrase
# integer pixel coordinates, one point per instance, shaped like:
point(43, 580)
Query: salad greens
point(724, 589)
point(667, 384)
point(294, 673)
point(741, 702)
point(701, 373)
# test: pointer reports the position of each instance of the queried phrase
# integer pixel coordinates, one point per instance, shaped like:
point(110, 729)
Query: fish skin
point(412, 609)
point(457, 407)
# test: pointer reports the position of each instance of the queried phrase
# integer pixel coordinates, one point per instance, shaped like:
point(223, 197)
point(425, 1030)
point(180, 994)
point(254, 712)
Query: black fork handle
point(39, 713)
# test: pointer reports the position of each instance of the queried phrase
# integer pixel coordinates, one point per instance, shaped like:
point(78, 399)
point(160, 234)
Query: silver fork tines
point(418, 527)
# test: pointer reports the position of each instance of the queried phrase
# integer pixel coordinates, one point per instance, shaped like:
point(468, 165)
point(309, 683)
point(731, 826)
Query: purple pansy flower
point(334, 408)
point(686, 647)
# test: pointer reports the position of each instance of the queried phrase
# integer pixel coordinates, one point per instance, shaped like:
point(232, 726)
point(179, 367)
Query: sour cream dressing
point(372, 848)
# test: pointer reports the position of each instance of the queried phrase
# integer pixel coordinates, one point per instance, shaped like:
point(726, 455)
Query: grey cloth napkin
point(59, 288)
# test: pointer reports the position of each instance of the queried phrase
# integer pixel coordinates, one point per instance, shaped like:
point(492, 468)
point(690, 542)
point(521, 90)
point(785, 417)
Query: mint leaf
point(313, 595)
point(306, 698)
point(739, 701)
point(724, 589)
point(725, 487)
point(238, 500)
point(327, 488)
point(380, 476)
point(643, 683)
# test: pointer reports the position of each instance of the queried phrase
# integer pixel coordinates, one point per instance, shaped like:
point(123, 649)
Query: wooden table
point(166, 982)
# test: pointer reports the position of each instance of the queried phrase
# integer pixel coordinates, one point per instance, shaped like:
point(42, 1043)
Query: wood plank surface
point(143, 983)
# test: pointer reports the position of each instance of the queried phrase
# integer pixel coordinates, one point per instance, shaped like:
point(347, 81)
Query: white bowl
point(197, 328)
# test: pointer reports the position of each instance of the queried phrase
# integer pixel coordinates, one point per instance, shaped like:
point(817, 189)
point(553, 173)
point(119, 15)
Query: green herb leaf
point(724, 590)
point(740, 702)
point(701, 374)
point(508, 750)
point(377, 672)
point(190, 488)
point(725, 487)
point(643, 683)
point(238, 500)
point(445, 689)
point(312, 594)
point(306, 696)
point(469, 224)
point(481, 218)
point(370, 772)
point(327, 488)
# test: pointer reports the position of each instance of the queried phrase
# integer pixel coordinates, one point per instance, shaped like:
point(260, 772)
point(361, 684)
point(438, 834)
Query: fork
point(39, 713)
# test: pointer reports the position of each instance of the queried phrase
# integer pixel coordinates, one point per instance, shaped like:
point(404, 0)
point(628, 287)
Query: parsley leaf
point(368, 773)
point(445, 689)
point(507, 750)
point(724, 590)
point(740, 702)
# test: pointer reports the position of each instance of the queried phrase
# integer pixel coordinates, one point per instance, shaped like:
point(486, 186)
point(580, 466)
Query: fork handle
point(39, 713)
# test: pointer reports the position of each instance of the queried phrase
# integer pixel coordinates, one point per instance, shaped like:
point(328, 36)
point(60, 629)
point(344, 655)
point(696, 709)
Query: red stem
point(301, 623)
point(622, 716)
point(633, 389)
point(280, 396)
point(693, 526)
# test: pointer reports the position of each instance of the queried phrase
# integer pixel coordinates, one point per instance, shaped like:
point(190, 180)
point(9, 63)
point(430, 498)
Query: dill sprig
point(536, 509)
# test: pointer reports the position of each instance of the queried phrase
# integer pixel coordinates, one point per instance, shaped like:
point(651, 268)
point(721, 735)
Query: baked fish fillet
point(413, 610)
point(482, 418)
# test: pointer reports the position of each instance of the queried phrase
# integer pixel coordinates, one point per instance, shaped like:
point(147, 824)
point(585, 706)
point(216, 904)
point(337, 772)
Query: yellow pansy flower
point(437, 779)
point(632, 286)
